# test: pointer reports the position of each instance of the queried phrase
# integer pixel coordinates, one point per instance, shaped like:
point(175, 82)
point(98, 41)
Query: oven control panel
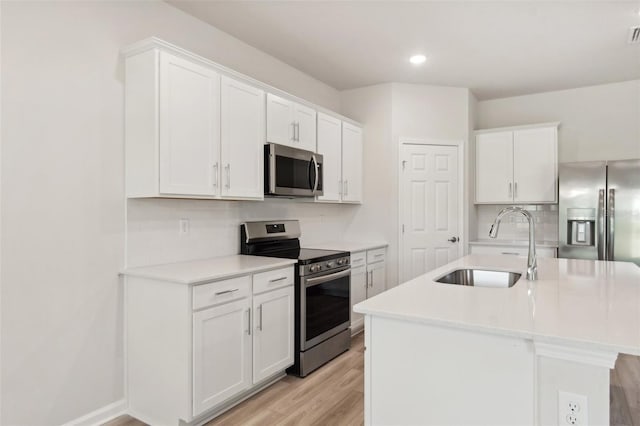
point(324, 266)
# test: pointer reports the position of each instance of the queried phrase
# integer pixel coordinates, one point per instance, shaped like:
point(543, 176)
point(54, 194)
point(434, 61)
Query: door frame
point(458, 143)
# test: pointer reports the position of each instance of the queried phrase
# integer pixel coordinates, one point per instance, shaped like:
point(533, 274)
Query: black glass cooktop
point(306, 256)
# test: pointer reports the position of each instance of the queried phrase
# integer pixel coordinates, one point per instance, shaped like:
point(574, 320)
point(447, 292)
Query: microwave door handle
point(315, 170)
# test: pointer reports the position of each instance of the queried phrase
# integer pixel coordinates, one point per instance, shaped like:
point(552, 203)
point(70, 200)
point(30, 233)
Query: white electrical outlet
point(572, 409)
point(183, 227)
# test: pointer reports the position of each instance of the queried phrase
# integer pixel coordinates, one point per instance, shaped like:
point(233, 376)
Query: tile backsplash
point(515, 226)
point(153, 235)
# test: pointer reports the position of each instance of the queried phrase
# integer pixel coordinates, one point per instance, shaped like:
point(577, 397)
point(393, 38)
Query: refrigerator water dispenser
point(581, 224)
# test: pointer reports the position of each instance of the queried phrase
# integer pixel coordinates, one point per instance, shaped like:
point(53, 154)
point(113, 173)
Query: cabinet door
point(377, 278)
point(358, 294)
point(494, 167)
point(535, 165)
point(351, 163)
point(330, 147)
point(221, 354)
point(305, 119)
point(189, 127)
point(273, 332)
point(280, 126)
point(242, 140)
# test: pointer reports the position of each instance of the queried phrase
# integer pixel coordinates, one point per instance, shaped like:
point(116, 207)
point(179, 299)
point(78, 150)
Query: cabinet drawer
point(513, 251)
point(377, 255)
point(358, 258)
point(221, 292)
point(271, 280)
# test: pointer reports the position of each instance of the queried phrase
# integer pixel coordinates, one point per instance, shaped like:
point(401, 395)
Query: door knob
point(453, 239)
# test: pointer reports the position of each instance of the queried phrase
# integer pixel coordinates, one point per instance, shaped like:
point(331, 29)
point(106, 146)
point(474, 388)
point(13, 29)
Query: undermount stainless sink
point(480, 278)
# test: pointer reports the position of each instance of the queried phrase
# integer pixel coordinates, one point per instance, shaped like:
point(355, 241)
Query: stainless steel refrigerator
point(599, 210)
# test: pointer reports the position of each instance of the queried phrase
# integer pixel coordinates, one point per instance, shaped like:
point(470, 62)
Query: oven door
point(325, 306)
point(292, 172)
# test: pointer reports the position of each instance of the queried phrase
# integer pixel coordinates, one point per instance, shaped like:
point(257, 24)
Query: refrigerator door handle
point(610, 224)
point(600, 225)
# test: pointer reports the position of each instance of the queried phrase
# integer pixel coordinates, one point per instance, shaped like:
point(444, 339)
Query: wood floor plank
point(628, 376)
point(618, 408)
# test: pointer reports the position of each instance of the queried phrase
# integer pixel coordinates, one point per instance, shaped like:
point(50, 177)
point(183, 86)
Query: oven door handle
point(310, 282)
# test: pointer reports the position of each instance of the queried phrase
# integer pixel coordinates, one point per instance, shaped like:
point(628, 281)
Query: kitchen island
point(446, 354)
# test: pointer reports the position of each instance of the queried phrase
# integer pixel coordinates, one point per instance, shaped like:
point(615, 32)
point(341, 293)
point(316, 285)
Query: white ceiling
point(498, 49)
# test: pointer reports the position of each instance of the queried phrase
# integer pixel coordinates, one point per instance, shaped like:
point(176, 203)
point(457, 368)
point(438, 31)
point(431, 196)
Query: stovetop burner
point(281, 239)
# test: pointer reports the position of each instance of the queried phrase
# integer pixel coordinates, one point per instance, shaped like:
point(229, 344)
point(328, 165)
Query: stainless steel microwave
point(291, 172)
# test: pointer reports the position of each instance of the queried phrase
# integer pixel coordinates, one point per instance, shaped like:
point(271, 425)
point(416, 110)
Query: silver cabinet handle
point(249, 321)
point(346, 187)
point(316, 173)
point(298, 131)
point(510, 192)
point(340, 187)
point(511, 253)
point(293, 129)
point(611, 224)
point(515, 190)
point(226, 292)
point(228, 169)
point(215, 175)
point(601, 223)
point(260, 323)
point(371, 280)
point(275, 280)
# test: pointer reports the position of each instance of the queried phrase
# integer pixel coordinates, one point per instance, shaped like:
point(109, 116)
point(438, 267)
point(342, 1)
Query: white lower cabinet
point(273, 332)
point(511, 250)
point(192, 350)
point(221, 353)
point(368, 278)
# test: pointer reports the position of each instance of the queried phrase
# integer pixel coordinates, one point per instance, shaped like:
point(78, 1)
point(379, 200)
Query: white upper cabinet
point(535, 165)
point(330, 147)
point(195, 129)
point(280, 124)
point(517, 166)
point(290, 123)
point(189, 127)
point(351, 163)
point(190, 132)
point(494, 167)
point(242, 139)
point(305, 119)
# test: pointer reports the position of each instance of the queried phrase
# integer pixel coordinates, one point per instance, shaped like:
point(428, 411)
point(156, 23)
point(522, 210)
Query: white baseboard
point(101, 415)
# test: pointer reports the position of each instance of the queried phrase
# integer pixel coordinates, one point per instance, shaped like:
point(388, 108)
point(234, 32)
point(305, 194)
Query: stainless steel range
point(322, 291)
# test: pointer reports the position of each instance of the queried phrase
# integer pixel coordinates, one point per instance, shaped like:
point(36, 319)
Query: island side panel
point(424, 374)
point(578, 371)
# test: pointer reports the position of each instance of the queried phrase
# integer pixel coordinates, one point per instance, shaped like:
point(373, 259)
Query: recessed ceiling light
point(417, 59)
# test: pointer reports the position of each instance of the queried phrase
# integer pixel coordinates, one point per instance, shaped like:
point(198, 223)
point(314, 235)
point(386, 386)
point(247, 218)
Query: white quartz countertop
point(582, 303)
point(350, 246)
point(216, 268)
point(515, 243)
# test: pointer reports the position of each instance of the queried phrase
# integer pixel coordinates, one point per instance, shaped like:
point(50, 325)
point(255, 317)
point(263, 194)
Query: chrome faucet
point(532, 262)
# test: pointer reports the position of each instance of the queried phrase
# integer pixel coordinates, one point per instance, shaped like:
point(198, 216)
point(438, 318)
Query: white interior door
point(429, 208)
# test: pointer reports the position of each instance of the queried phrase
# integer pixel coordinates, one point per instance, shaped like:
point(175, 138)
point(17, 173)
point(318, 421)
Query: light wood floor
point(334, 395)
